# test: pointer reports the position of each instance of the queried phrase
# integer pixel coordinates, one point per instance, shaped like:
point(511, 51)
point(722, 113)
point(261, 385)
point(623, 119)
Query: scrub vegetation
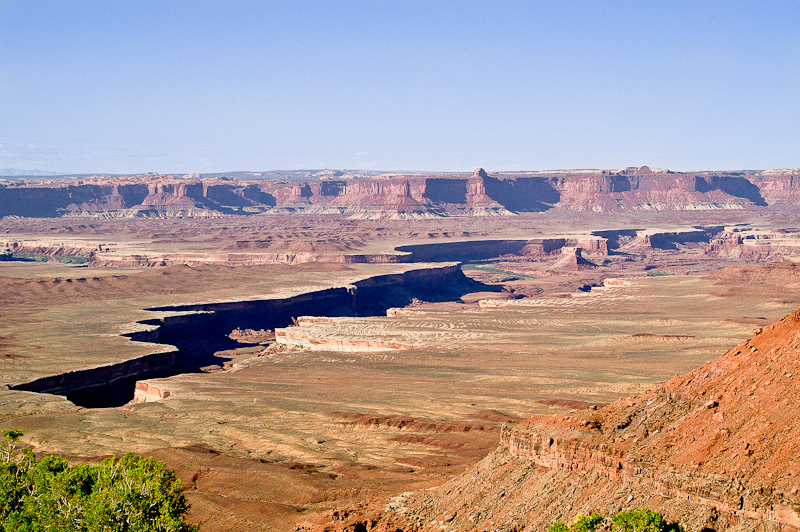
point(121, 494)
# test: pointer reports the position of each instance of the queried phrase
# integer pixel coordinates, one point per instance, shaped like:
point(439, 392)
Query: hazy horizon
point(93, 87)
point(43, 175)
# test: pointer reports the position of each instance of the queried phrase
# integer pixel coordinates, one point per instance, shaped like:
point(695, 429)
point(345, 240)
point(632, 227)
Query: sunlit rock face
point(417, 195)
point(718, 449)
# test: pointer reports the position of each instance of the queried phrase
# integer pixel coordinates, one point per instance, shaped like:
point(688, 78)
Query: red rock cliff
point(633, 189)
point(718, 448)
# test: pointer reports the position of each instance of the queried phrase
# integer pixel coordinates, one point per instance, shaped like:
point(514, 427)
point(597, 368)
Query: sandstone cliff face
point(750, 243)
point(658, 192)
point(145, 392)
point(779, 186)
point(716, 449)
point(631, 189)
point(299, 337)
point(190, 334)
point(572, 259)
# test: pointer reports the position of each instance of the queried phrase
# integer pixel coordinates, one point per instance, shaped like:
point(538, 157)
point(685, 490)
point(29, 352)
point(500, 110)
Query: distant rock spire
point(479, 172)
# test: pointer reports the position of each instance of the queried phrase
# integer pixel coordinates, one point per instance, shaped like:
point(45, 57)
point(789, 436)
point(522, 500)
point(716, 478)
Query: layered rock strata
point(717, 449)
point(307, 339)
point(191, 334)
point(145, 392)
point(408, 196)
point(740, 241)
point(751, 243)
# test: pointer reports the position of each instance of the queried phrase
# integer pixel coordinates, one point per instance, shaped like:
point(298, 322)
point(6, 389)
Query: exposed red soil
point(218, 493)
point(427, 440)
point(313, 246)
point(718, 448)
point(780, 280)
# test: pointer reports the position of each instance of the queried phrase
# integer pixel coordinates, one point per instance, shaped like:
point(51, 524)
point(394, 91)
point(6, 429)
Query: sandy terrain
point(275, 436)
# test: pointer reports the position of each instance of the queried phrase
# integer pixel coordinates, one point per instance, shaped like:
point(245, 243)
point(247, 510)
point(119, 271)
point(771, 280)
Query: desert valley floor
point(434, 333)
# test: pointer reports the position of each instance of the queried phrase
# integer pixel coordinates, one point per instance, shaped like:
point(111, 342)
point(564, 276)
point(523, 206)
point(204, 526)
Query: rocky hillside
point(407, 196)
point(717, 449)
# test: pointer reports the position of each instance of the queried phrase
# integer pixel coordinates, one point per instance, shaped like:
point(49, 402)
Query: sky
point(171, 86)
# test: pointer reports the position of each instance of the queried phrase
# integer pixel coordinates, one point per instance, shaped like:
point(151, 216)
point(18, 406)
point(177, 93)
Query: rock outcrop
point(191, 334)
point(748, 242)
point(145, 392)
point(572, 259)
point(406, 195)
point(717, 449)
point(296, 337)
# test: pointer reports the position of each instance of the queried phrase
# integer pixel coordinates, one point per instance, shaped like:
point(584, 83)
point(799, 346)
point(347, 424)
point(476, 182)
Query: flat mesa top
point(59, 318)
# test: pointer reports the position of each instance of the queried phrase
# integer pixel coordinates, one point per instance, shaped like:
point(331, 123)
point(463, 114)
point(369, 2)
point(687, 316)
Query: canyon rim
point(353, 351)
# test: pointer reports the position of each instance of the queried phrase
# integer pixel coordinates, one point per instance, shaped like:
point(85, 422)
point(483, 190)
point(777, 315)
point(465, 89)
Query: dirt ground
point(273, 440)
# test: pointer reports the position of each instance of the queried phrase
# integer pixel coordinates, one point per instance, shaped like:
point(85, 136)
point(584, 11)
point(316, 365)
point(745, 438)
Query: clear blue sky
point(174, 86)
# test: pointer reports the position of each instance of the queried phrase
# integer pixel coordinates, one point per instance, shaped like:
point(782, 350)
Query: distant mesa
point(328, 174)
point(404, 195)
point(782, 172)
point(642, 170)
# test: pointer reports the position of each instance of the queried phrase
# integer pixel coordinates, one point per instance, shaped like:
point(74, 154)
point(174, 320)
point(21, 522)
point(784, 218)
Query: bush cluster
point(639, 520)
point(130, 494)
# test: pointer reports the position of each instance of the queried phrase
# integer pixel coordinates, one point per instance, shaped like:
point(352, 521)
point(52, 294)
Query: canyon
point(353, 351)
point(739, 241)
point(193, 333)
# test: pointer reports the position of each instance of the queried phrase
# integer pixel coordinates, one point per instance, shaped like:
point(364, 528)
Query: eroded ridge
point(405, 196)
point(717, 449)
point(719, 493)
point(192, 334)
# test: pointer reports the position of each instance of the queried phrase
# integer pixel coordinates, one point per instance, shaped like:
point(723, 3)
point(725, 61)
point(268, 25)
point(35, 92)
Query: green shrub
point(639, 520)
point(130, 494)
point(558, 526)
point(587, 523)
point(29, 256)
point(73, 260)
point(642, 520)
